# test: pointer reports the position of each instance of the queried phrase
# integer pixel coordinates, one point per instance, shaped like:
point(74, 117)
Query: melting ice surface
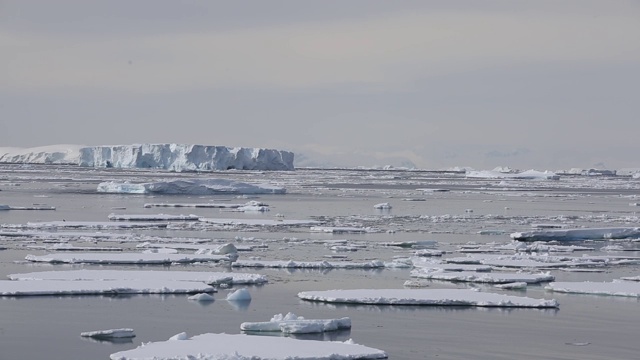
point(242, 347)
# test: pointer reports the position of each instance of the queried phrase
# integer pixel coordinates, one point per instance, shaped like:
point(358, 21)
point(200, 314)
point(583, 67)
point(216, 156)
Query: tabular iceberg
point(176, 157)
point(181, 157)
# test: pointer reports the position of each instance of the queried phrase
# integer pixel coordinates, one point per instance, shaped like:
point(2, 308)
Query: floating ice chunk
point(7, 207)
point(412, 244)
point(89, 287)
point(127, 258)
point(201, 297)
point(434, 297)
point(109, 334)
point(189, 187)
point(525, 175)
point(150, 217)
point(241, 346)
point(484, 277)
point(374, 264)
point(178, 337)
point(577, 234)
point(206, 205)
point(512, 286)
point(4, 207)
point(292, 324)
point(96, 225)
point(239, 295)
point(382, 206)
point(212, 278)
point(615, 288)
point(338, 230)
point(631, 278)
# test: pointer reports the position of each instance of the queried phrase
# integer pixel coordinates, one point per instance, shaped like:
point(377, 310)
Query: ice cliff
point(176, 157)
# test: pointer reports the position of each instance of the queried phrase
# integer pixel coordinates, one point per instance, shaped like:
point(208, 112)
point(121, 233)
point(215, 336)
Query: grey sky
point(527, 84)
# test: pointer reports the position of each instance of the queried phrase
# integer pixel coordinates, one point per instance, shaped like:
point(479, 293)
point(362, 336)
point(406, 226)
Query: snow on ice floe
point(90, 287)
point(189, 187)
point(152, 217)
point(211, 278)
point(432, 297)
point(292, 324)
point(278, 264)
point(578, 234)
point(614, 288)
point(525, 175)
point(241, 347)
point(483, 277)
point(109, 334)
point(127, 258)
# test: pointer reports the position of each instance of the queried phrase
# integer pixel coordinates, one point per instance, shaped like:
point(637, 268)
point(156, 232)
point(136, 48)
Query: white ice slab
point(109, 334)
point(615, 288)
point(90, 287)
point(189, 187)
point(258, 222)
point(292, 324)
point(244, 347)
point(126, 258)
point(434, 297)
point(152, 217)
point(95, 225)
point(145, 275)
point(374, 264)
point(631, 278)
point(483, 277)
point(578, 234)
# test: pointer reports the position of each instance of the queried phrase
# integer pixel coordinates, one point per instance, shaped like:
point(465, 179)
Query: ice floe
point(338, 229)
point(613, 288)
point(258, 222)
point(201, 297)
point(212, 278)
point(152, 217)
point(483, 277)
point(292, 324)
point(241, 347)
point(189, 187)
point(279, 264)
point(109, 334)
point(95, 225)
point(434, 297)
point(90, 287)
point(578, 234)
point(382, 206)
point(127, 258)
point(525, 175)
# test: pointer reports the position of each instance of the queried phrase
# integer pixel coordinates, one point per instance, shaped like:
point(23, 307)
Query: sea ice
point(614, 288)
point(512, 286)
point(525, 175)
point(109, 334)
point(433, 297)
point(90, 287)
point(258, 222)
point(483, 277)
point(127, 258)
point(374, 264)
point(95, 225)
point(201, 297)
point(152, 217)
point(338, 230)
point(189, 187)
point(239, 295)
point(382, 206)
point(577, 234)
point(292, 324)
point(212, 278)
point(244, 347)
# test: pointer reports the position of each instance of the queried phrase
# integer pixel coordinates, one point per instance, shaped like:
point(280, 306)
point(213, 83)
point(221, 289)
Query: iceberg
point(241, 347)
point(292, 324)
point(429, 297)
point(189, 187)
point(578, 234)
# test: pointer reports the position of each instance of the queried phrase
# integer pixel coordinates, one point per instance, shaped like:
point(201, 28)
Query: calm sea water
point(584, 327)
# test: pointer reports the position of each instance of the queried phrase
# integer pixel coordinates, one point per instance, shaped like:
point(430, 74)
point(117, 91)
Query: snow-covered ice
point(578, 234)
point(109, 334)
point(292, 324)
point(433, 297)
point(483, 277)
point(127, 258)
point(613, 288)
point(90, 287)
point(211, 278)
point(245, 347)
point(189, 187)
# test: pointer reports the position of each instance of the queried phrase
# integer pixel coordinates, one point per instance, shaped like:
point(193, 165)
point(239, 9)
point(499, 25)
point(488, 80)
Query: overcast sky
point(528, 84)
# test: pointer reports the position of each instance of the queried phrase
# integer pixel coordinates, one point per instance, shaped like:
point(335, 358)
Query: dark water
point(584, 327)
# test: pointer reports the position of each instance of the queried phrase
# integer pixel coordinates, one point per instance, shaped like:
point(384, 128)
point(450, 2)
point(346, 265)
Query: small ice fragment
point(109, 334)
point(201, 297)
point(239, 295)
point(382, 206)
point(181, 336)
